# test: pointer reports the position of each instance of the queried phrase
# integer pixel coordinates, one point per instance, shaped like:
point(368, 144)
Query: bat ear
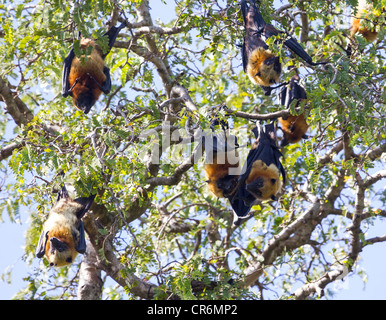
point(274, 198)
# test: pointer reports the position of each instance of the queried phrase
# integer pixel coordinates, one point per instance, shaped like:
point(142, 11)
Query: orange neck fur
point(259, 72)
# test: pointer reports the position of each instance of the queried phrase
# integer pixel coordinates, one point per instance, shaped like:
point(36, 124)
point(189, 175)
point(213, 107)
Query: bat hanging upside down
point(260, 179)
point(85, 80)
point(221, 162)
point(294, 127)
point(63, 235)
point(263, 66)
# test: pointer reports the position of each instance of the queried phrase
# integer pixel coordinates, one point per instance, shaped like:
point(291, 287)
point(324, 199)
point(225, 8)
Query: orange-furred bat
point(260, 179)
point(357, 25)
point(262, 66)
point(85, 80)
point(294, 127)
point(221, 161)
point(63, 235)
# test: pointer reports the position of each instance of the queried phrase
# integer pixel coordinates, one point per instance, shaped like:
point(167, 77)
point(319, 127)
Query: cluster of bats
point(263, 175)
point(85, 78)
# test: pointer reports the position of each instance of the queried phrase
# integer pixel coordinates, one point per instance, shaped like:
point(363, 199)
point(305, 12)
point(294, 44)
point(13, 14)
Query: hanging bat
point(222, 161)
point(260, 179)
point(85, 80)
point(262, 66)
point(294, 127)
point(63, 235)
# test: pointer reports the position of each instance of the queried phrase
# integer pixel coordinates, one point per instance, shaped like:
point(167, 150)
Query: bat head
point(264, 181)
point(227, 185)
point(85, 99)
point(60, 252)
point(264, 68)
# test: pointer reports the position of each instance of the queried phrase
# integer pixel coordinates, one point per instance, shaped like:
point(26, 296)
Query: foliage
point(157, 223)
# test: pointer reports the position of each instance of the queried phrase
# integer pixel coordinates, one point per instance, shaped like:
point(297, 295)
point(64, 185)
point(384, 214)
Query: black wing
point(86, 203)
point(113, 34)
point(81, 245)
point(41, 248)
point(276, 154)
point(219, 141)
point(292, 92)
point(66, 73)
point(63, 193)
point(240, 203)
point(295, 47)
point(106, 87)
point(253, 20)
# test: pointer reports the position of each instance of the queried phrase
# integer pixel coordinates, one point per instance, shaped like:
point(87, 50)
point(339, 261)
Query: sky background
point(372, 259)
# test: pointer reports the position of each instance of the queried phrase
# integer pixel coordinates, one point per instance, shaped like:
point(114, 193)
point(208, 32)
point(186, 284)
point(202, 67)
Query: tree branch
point(14, 106)
point(90, 281)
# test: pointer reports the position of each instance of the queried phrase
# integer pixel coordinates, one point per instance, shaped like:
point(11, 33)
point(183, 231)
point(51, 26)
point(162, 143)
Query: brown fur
point(81, 69)
point(267, 75)
point(294, 128)
point(61, 225)
point(267, 173)
point(216, 171)
point(356, 22)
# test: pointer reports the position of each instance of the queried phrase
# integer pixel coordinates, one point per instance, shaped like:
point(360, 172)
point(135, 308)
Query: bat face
point(85, 94)
point(62, 233)
point(263, 181)
point(60, 251)
point(221, 185)
point(263, 68)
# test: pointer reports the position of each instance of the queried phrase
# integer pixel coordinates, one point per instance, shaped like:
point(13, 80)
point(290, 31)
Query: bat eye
point(69, 260)
point(273, 181)
point(51, 264)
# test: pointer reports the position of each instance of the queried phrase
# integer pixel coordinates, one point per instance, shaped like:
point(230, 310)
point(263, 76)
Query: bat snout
point(228, 186)
point(85, 101)
point(58, 245)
